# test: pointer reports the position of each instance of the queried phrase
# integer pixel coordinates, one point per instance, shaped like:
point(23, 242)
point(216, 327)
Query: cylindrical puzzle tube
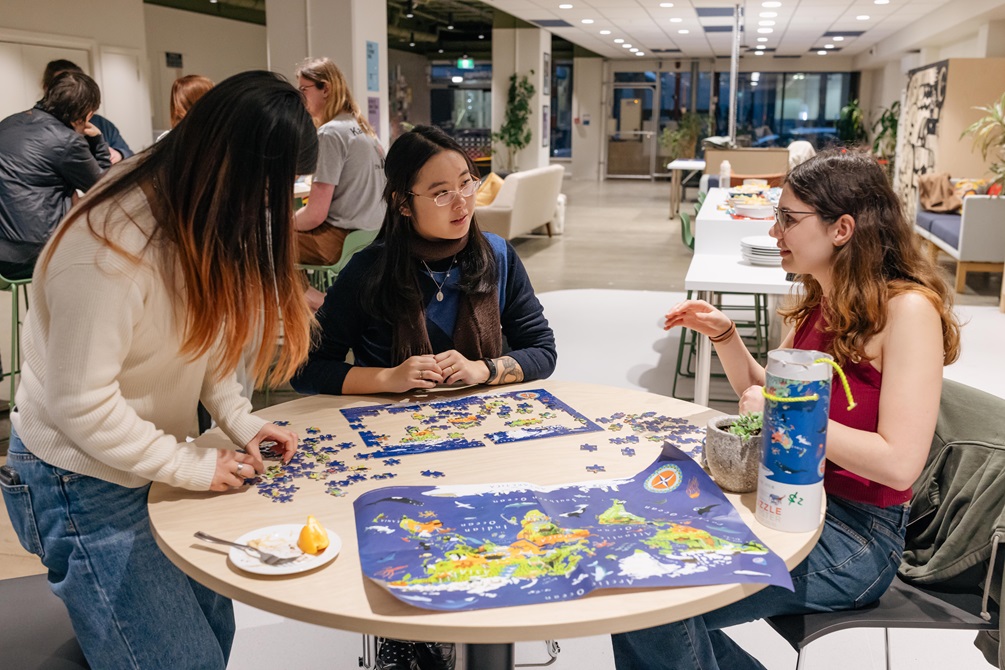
point(797, 394)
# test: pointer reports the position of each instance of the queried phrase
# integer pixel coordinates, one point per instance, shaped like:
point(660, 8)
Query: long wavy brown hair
point(326, 75)
point(880, 261)
point(222, 183)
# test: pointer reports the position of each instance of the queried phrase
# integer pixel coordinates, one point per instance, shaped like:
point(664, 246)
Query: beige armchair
point(526, 201)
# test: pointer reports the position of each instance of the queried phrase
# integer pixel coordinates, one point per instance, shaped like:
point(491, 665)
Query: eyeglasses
point(783, 217)
point(446, 197)
point(303, 89)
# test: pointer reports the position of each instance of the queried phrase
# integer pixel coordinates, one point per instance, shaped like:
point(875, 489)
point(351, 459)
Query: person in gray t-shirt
point(348, 185)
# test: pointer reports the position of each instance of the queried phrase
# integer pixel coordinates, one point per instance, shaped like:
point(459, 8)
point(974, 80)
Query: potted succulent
point(989, 136)
point(733, 451)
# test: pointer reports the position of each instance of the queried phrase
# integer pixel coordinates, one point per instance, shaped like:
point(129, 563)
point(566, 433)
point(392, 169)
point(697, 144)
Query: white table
point(717, 266)
point(689, 165)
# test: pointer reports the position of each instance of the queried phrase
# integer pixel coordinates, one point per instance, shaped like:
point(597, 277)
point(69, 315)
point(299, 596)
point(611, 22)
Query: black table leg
point(488, 656)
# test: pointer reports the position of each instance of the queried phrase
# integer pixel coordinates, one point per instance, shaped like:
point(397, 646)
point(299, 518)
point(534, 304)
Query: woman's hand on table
point(284, 441)
point(752, 400)
point(233, 467)
point(699, 316)
point(417, 372)
point(459, 370)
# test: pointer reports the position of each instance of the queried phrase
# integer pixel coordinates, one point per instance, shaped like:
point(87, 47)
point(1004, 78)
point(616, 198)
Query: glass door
point(631, 133)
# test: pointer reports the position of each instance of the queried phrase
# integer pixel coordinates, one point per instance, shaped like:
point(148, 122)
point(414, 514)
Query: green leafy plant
point(989, 136)
point(884, 143)
point(747, 425)
point(515, 133)
point(851, 124)
point(682, 142)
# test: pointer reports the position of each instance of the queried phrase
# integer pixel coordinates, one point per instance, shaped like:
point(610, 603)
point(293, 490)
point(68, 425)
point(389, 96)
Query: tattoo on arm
point(511, 372)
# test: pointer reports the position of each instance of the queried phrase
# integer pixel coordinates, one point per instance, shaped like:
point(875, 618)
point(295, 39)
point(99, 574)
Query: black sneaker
point(395, 655)
point(436, 655)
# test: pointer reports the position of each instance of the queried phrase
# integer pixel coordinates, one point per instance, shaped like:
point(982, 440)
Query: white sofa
point(526, 200)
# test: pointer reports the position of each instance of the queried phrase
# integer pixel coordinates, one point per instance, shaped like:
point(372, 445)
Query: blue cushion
point(947, 228)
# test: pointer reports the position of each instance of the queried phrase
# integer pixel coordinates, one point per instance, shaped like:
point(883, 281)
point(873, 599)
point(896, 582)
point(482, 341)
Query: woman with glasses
point(346, 191)
point(882, 309)
point(432, 301)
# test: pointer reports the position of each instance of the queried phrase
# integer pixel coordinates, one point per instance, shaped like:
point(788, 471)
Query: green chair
point(16, 287)
point(753, 331)
point(323, 276)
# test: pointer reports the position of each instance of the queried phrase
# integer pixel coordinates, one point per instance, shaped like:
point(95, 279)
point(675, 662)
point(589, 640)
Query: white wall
point(211, 46)
point(587, 99)
point(520, 51)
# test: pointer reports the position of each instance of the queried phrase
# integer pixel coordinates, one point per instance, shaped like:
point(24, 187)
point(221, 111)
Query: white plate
point(289, 532)
point(759, 242)
point(755, 211)
point(776, 262)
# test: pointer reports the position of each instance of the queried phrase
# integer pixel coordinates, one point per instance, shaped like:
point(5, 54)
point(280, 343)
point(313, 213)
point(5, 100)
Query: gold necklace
point(440, 285)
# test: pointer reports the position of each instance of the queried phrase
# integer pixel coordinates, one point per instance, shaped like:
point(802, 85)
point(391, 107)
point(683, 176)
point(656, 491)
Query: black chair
point(902, 606)
point(35, 630)
point(936, 587)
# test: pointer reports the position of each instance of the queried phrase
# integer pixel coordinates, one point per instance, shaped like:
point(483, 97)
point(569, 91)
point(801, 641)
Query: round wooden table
point(338, 595)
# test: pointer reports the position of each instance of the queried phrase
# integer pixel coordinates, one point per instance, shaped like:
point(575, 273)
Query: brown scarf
point(478, 331)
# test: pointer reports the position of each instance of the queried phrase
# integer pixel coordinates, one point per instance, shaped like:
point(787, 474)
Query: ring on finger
point(240, 466)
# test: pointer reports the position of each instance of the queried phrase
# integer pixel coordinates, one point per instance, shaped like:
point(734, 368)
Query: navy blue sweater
point(345, 325)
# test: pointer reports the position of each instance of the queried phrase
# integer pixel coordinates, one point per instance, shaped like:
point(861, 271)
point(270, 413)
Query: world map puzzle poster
point(496, 545)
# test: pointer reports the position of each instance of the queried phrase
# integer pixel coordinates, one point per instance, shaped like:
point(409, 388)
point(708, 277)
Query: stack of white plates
point(760, 250)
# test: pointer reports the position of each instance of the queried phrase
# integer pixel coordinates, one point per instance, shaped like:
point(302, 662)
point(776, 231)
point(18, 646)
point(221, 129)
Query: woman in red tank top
point(882, 309)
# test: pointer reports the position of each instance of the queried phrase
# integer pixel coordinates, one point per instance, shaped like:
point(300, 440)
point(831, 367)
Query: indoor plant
point(515, 134)
point(884, 142)
point(733, 451)
point(851, 124)
point(989, 136)
point(682, 141)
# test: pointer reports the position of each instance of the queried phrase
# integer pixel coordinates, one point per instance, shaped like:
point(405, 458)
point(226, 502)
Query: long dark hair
point(223, 188)
point(390, 287)
point(880, 260)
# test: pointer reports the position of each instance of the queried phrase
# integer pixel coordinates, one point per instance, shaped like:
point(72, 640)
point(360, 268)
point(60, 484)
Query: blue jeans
point(130, 606)
point(851, 566)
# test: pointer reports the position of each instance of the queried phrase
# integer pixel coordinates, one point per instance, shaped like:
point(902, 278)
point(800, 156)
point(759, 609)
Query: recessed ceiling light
point(765, 23)
point(605, 32)
point(565, 6)
point(587, 21)
point(881, 2)
point(771, 5)
point(675, 20)
point(440, 51)
point(768, 15)
point(640, 53)
point(634, 49)
point(457, 79)
point(666, 4)
point(683, 31)
point(762, 39)
point(758, 53)
point(765, 31)
point(626, 46)
point(821, 53)
point(828, 46)
point(839, 38)
point(481, 37)
point(863, 17)
point(618, 41)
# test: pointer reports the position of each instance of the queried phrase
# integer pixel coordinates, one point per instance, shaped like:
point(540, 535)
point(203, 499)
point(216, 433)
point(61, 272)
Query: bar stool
point(16, 288)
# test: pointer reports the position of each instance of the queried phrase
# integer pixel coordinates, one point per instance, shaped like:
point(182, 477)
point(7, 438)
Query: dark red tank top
point(865, 382)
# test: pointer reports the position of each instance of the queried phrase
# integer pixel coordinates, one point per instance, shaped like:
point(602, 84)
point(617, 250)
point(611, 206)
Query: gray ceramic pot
point(732, 461)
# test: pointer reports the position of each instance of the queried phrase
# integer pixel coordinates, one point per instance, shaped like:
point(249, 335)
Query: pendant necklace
point(439, 286)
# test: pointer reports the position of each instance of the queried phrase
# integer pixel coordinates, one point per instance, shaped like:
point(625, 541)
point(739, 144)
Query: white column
point(991, 40)
point(520, 51)
point(587, 117)
point(344, 31)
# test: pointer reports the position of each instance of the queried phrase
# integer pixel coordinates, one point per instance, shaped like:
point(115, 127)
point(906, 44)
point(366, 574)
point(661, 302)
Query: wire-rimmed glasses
point(445, 198)
point(784, 220)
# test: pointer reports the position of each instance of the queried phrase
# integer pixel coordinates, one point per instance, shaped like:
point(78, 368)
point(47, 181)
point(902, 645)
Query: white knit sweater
point(104, 390)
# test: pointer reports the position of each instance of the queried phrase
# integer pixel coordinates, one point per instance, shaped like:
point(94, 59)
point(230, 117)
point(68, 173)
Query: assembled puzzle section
point(464, 423)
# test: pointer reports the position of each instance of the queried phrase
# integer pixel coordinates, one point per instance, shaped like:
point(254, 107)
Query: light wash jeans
point(851, 566)
point(130, 606)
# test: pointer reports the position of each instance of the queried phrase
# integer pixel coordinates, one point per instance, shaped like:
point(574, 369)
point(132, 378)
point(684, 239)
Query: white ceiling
point(799, 25)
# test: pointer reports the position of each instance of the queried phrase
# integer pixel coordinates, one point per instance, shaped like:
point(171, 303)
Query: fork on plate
point(255, 552)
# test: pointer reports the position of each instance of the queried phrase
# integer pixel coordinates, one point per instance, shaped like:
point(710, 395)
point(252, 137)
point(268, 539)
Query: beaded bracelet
point(724, 335)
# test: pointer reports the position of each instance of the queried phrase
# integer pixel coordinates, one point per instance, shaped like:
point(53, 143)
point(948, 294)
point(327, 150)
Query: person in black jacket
point(117, 146)
point(433, 300)
point(47, 153)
